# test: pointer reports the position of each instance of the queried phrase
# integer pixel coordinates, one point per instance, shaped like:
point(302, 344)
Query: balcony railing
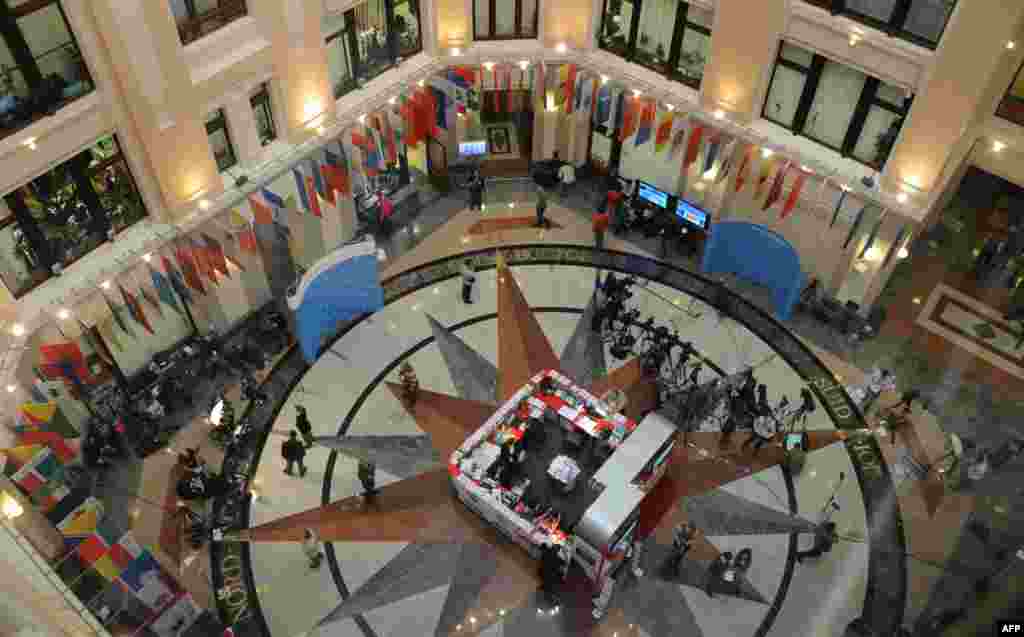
point(219, 14)
point(1012, 106)
point(30, 92)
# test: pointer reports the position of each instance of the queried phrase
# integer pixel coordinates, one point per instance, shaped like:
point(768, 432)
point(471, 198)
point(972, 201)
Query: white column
point(245, 135)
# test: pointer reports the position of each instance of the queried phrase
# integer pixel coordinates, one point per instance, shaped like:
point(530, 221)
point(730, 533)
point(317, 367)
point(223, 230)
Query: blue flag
point(274, 199)
point(318, 180)
point(300, 186)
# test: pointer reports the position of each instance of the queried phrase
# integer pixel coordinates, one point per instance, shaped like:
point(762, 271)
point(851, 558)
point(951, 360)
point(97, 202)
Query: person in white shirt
point(468, 279)
point(566, 177)
point(311, 547)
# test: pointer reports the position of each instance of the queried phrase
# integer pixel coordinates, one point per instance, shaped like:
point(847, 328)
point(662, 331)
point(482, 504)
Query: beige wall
point(454, 20)
point(744, 41)
point(568, 21)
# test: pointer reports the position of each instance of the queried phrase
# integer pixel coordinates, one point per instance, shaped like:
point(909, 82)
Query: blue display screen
point(471, 149)
point(692, 215)
point(652, 195)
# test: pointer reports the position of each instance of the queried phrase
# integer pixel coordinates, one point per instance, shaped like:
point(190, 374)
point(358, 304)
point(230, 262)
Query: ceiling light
point(489, 66)
point(873, 254)
point(420, 83)
point(147, 257)
point(854, 39)
point(11, 388)
point(902, 254)
point(11, 507)
point(63, 313)
point(767, 152)
point(30, 143)
point(18, 329)
point(604, 79)
point(670, 107)
point(392, 99)
point(917, 300)
point(998, 146)
point(561, 47)
point(456, 51)
point(204, 204)
point(637, 92)
point(524, 64)
point(1011, 45)
point(362, 118)
point(105, 285)
point(719, 114)
point(902, 197)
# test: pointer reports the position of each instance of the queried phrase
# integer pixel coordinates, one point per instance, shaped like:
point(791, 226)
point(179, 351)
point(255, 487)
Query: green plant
point(692, 63)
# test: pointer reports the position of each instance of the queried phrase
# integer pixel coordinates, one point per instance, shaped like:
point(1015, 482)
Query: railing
point(1011, 108)
point(56, 78)
point(223, 13)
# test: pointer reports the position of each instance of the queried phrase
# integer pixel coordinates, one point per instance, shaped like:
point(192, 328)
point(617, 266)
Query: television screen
point(652, 195)
point(794, 441)
point(663, 455)
point(692, 215)
point(473, 149)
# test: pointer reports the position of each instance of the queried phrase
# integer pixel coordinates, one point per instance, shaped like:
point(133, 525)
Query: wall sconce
point(10, 507)
point(998, 146)
point(670, 107)
point(561, 47)
point(11, 389)
point(524, 64)
point(204, 204)
point(18, 329)
point(902, 197)
point(855, 38)
point(361, 119)
point(421, 83)
point(456, 51)
point(147, 257)
point(105, 285)
point(1011, 45)
point(604, 79)
point(902, 254)
point(637, 92)
point(30, 143)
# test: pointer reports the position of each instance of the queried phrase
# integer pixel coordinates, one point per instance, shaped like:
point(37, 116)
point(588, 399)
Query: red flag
point(65, 360)
point(358, 138)
point(693, 148)
point(389, 140)
point(664, 131)
point(314, 203)
point(335, 180)
point(570, 89)
point(741, 174)
point(215, 251)
point(247, 240)
point(261, 212)
point(189, 269)
point(135, 308)
point(794, 194)
point(629, 118)
point(203, 262)
point(776, 190)
point(466, 74)
point(508, 89)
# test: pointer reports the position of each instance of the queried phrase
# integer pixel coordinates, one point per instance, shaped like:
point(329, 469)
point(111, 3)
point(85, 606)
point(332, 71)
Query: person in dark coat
point(303, 425)
point(293, 453)
point(716, 572)
point(824, 538)
point(476, 192)
point(682, 538)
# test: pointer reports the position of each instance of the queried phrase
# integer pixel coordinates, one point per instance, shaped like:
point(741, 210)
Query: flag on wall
point(768, 165)
point(262, 213)
point(603, 105)
point(630, 118)
point(300, 187)
point(188, 269)
point(135, 308)
point(202, 260)
point(693, 148)
point(335, 171)
point(176, 279)
point(794, 194)
point(647, 117)
point(664, 133)
point(314, 171)
point(64, 360)
point(163, 289)
point(33, 474)
point(714, 145)
point(775, 192)
point(152, 300)
point(43, 421)
point(744, 169)
point(215, 251)
point(856, 226)
point(569, 87)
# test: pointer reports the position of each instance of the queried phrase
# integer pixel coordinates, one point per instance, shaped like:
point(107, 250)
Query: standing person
point(468, 279)
point(386, 210)
point(367, 473)
point(293, 453)
point(716, 572)
point(311, 547)
point(566, 177)
point(682, 537)
point(613, 204)
point(764, 428)
point(476, 192)
point(824, 537)
point(542, 207)
point(600, 224)
point(303, 425)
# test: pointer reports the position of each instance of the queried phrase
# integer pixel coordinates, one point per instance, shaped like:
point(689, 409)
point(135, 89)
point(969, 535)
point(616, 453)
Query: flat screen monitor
point(692, 215)
point(794, 441)
point(473, 149)
point(652, 195)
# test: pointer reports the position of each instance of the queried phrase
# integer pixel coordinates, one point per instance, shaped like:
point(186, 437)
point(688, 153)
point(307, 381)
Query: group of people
point(293, 451)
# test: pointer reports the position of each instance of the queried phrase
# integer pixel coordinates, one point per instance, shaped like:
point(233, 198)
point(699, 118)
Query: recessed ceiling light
point(147, 257)
point(637, 92)
point(204, 204)
point(719, 114)
point(902, 197)
point(1011, 45)
point(420, 83)
point(767, 152)
point(917, 300)
point(561, 47)
point(30, 143)
point(998, 146)
point(18, 329)
point(902, 254)
point(456, 51)
point(670, 107)
point(392, 99)
point(604, 79)
point(11, 389)
point(63, 313)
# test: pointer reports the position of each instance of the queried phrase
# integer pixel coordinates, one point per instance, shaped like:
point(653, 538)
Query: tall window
point(41, 68)
point(406, 27)
point(1012, 106)
point(668, 36)
point(852, 113)
point(197, 18)
point(504, 19)
point(367, 40)
point(260, 102)
point(65, 213)
point(919, 21)
point(340, 55)
point(220, 140)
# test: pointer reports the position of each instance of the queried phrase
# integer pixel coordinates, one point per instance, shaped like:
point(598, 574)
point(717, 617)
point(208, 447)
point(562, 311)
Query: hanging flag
point(216, 253)
point(462, 76)
point(839, 205)
point(116, 315)
point(647, 117)
point(775, 192)
point(693, 148)
point(262, 212)
point(664, 133)
point(856, 226)
point(358, 136)
point(570, 88)
point(176, 279)
point(630, 118)
point(873, 236)
point(163, 289)
point(902, 238)
point(300, 187)
point(109, 335)
point(728, 160)
point(768, 165)
point(202, 259)
point(618, 108)
point(64, 360)
point(603, 106)
point(794, 194)
point(714, 145)
point(678, 137)
point(744, 169)
point(273, 199)
point(135, 309)
point(336, 173)
point(581, 83)
point(152, 300)
point(390, 146)
point(440, 104)
point(189, 269)
point(314, 170)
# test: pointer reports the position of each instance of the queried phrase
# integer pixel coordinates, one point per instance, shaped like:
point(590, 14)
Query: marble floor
point(404, 589)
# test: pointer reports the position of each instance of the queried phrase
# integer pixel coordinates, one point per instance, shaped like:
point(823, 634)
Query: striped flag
point(693, 148)
point(336, 172)
point(647, 116)
point(775, 192)
point(163, 289)
point(603, 105)
point(664, 133)
point(768, 165)
point(300, 187)
point(744, 169)
point(794, 194)
point(176, 279)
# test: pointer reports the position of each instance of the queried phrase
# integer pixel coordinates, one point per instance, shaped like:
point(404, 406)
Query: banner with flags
point(664, 132)
point(647, 117)
point(135, 308)
point(794, 194)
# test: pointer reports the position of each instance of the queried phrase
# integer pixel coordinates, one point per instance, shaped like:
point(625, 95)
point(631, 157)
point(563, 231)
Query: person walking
point(311, 547)
point(566, 177)
point(293, 453)
point(717, 572)
point(303, 425)
point(542, 207)
point(476, 192)
point(367, 472)
point(824, 537)
point(468, 279)
point(600, 225)
point(682, 538)
point(613, 205)
point(764, 428)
